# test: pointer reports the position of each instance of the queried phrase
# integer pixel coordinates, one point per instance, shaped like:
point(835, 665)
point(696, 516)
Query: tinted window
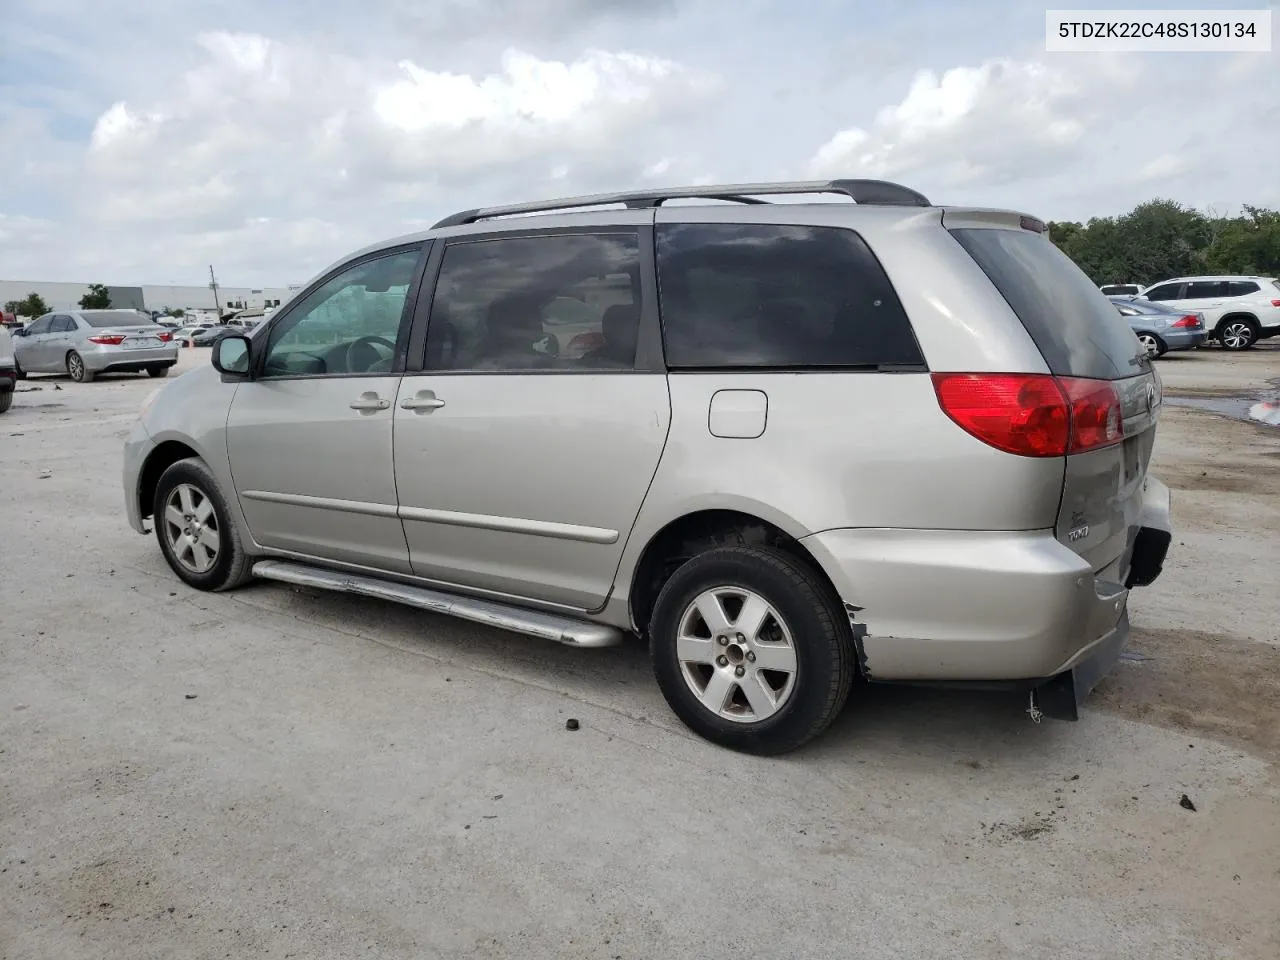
point(62, 324)
point(1205, 289)
point(1166, 291)
point(764, 296)
point(1069, 319)
point(1241, 288)
point(39, 326)
point(1121, 289)
point(564, 301)
point(114, 318)
point(350, 324)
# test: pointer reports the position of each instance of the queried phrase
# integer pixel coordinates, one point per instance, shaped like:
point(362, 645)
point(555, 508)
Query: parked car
point(789, 462)
point(8, 372)
point(1121, 289)
point(85, 343)
point(1238, 311)
point(183, 334)
point(1160, 329)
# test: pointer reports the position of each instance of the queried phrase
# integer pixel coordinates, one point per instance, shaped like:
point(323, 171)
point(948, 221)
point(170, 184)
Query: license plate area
point(141, 343)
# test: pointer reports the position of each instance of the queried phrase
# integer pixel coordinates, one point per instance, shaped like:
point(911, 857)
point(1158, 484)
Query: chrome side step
point(533, 623)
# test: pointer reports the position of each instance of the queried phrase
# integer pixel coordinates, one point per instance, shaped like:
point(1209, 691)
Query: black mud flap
point(1060, 697)
point(1150, 547)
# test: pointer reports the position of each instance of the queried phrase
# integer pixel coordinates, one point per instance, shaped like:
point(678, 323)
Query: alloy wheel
point(191, 528)
point(736, 654)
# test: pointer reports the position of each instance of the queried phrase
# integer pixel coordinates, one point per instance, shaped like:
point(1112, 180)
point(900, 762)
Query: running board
point(533, 623)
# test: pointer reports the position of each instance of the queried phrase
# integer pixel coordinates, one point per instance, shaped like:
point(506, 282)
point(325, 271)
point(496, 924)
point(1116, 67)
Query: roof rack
point(872, 192)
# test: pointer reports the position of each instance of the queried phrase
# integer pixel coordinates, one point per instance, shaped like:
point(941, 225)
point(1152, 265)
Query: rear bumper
point(1184, 339)
point(106, 358)
point(977, 607)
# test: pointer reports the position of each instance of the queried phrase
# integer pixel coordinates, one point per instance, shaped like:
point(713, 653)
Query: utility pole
point(213, 285)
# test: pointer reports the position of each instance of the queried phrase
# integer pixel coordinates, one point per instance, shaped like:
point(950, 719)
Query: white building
point(66, 296)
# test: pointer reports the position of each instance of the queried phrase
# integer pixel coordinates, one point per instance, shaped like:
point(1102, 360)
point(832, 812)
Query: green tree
point(96, 299)
point(1248, 244)
point(177, 314)
point(32, 306)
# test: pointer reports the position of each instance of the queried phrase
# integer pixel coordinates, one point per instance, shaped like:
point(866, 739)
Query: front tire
point(76, 368)
point(197, 535)
point(18, 371)
point(1238, 334)
point(751, 650)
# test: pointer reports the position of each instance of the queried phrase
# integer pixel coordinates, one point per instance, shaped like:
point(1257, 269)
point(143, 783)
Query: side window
point(1241, 288)
point(40, 326)
point(1205, 289)
point(554, 302)
point(63, 324)
point(348, 325)
point(1166, 291)
point(740, 295)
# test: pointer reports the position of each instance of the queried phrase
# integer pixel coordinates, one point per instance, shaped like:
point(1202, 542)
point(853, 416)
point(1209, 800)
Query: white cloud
point(986, 123)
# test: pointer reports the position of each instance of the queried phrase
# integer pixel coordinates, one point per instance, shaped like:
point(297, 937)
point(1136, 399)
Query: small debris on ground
point(571, 724)
point(1186, 804)
point(190, 696)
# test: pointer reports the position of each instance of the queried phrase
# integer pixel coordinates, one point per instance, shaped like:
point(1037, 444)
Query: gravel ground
point(293, 774)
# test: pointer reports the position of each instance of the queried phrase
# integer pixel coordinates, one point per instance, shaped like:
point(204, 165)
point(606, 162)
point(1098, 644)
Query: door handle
point(422, 402)
point(370, 401)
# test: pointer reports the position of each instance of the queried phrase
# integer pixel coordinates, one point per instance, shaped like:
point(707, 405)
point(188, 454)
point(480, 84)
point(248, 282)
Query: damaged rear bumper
point(991, 609)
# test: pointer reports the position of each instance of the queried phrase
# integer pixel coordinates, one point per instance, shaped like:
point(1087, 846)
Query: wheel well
point(694, 533)
point(160, 460)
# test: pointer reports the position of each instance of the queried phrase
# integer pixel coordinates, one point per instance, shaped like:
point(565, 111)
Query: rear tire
point(1238, 334)
point(713, 674)
point(76, 368)
point(199, 541)
point(6, 400)
point(158, 371)
point(1155, 347)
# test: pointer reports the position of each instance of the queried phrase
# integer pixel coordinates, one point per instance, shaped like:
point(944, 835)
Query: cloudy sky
point(142, 140)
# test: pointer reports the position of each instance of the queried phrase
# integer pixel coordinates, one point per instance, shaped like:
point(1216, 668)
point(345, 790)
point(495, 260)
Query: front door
point(309, 438)
point(524, 450)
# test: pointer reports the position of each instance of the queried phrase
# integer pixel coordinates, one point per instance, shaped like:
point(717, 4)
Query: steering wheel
point(362, 357)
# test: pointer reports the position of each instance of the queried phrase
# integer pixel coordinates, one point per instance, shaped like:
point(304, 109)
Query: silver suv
point(787, 444)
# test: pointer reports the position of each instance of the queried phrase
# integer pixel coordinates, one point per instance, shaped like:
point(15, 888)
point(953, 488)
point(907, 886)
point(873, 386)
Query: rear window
point(760, 296)
point(1241, 288)
point(1075, 327)
point(111, 318)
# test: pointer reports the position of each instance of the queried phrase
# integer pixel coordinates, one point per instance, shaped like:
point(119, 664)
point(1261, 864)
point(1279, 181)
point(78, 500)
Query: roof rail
point(873, 192)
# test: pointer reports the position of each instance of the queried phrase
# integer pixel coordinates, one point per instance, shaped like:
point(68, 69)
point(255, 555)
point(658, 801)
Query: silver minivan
point(796, 445)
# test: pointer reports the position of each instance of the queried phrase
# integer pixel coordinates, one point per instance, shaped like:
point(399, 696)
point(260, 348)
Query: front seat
point(511, 326)
point(620, 329)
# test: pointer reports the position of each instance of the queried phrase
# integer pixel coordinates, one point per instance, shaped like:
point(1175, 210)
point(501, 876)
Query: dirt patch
point(1204, 683)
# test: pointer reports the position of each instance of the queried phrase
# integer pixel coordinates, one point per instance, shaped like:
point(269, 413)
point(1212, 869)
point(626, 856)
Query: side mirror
point(231, 355)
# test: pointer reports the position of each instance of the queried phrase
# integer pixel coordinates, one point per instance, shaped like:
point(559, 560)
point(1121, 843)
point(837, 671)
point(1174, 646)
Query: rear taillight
point(165, 337)
point(1187, 322)
point(109, 339)
point(1275, 303)
point(1032, 415)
